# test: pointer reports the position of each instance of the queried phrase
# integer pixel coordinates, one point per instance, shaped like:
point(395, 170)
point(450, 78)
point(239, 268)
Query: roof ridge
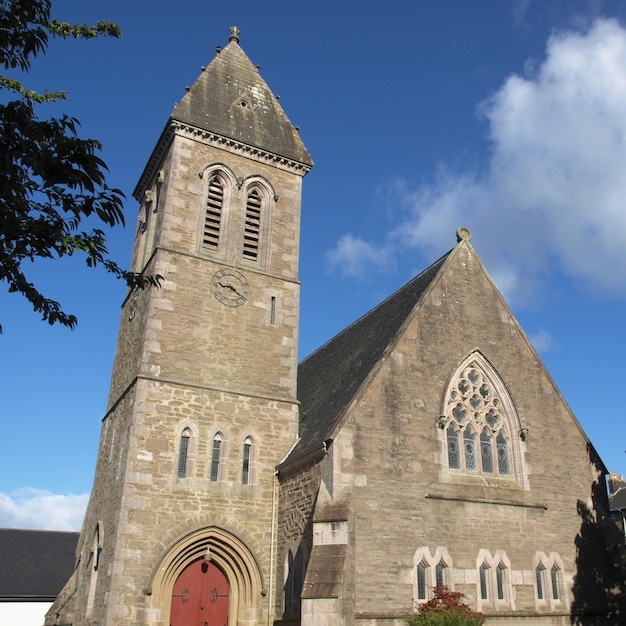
point(380, 304)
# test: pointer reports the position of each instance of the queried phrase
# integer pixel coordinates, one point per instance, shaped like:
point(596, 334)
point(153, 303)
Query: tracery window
point(479, 419)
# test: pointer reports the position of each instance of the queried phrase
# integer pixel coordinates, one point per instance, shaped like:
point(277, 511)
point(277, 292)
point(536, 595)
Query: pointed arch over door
point(229, 563)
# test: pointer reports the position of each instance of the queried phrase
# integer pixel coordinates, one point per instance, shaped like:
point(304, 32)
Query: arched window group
point(431, 570)
point(237, 208)
point(479, 421)
point(548, 579)
point(216, 461)
point(494, 586)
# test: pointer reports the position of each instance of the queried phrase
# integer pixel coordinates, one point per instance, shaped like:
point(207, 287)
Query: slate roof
point(231, 99)
point(35, 564)
point(330, 377)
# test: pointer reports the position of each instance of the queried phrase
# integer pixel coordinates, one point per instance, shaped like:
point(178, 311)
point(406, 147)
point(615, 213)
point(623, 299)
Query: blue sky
point(506, 117)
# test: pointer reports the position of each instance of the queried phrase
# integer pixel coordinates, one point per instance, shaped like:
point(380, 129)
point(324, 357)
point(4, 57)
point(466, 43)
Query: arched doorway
point(222, 550)
point(200, 596)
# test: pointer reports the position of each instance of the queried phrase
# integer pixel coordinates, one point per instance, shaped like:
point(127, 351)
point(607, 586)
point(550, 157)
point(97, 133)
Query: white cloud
point(354, 256)
point(42, 510)
point(542, 341)
point(555, 187)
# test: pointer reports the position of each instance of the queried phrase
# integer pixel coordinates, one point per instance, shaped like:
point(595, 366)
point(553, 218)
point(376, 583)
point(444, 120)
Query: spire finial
point(234, 34)
point(463, 234)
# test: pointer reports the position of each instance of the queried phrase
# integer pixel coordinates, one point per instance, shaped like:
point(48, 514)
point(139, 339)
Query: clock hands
point(229, 286)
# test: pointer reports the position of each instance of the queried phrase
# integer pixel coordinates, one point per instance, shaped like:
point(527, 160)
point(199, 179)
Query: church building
point(424, 445)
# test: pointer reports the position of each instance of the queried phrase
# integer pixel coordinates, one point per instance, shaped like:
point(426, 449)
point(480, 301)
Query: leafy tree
point(446, 608)
point(51, 180)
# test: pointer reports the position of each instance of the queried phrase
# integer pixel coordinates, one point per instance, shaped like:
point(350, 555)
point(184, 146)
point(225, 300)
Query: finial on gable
point(234, 34)
point(463, 234)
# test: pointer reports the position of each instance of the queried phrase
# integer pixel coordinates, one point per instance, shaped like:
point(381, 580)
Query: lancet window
point(246, 461)
point(183, 453)
point(216, 456)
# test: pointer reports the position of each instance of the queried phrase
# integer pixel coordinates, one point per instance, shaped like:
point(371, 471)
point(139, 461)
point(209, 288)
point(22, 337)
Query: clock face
point(230, 287)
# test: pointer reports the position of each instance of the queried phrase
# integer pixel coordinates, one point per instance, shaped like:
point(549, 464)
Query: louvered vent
point(253, 226)
point(213, 217)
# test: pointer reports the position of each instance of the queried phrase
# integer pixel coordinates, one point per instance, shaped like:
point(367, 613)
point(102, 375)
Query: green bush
point(446, 609)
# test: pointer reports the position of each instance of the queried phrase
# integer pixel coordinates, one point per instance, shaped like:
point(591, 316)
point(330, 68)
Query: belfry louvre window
point(252, 230)
point(213, 215)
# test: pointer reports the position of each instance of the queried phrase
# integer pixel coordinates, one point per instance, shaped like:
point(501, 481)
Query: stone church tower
point(202, 404)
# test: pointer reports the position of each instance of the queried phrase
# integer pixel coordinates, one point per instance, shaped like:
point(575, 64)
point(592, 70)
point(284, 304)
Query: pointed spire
point(232, 100)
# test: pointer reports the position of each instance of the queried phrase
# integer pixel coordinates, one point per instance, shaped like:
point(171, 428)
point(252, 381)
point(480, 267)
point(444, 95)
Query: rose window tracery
point(478, 433)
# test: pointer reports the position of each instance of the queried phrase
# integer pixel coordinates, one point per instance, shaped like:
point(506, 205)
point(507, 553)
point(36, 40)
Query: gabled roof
point(329, 378)
point(35, 564)
point(231, 99)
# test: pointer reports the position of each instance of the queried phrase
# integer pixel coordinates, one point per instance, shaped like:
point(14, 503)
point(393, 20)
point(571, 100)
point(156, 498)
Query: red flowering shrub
point(446, 608)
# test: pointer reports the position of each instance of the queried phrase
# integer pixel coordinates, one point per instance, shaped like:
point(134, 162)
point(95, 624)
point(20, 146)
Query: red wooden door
point(200, 596)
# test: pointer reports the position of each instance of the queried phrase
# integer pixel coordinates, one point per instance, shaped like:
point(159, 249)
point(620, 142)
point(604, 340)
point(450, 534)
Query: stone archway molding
point(226, 551)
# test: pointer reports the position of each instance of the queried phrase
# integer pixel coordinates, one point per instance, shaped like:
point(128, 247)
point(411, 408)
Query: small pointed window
point(252, 230)
point(554, 576)
point(484, 587)
point(213, 215)
point(245, 466)
point(500, 581)
point(539, 573)
point(440, 574)
point(183, 453)
point(215, 457)
point(421, 581)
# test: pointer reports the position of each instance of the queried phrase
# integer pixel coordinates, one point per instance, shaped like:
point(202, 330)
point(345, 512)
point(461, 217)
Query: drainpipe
point(270, 607)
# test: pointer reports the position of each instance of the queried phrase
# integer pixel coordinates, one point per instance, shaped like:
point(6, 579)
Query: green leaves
point(51, 180)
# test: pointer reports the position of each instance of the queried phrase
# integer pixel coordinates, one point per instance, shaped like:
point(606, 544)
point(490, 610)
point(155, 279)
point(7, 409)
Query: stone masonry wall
point(404, 495)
